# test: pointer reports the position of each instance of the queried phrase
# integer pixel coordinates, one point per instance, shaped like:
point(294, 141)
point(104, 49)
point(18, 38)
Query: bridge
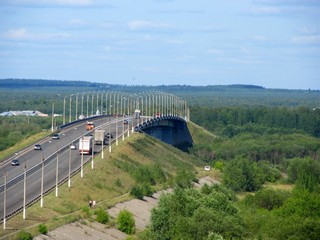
point(119, 114)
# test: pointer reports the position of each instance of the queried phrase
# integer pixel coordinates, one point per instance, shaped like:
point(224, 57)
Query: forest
point(261, 137)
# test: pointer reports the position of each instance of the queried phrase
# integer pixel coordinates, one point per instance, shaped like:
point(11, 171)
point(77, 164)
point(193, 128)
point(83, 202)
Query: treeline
point(33, 83)
point(231, 121)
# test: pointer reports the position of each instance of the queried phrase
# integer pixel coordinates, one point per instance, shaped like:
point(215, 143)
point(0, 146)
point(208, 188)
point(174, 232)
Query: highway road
point(31, 160)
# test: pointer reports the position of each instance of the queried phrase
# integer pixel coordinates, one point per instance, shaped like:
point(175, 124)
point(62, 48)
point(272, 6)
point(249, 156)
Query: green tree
point(305, 172)
point(191, 214)
point(242, 175)
point(126, 222)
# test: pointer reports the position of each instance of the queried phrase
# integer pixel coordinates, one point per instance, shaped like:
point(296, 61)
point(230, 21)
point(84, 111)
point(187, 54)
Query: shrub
point(184, 179)
point(137, 192)
point(23, 235)
point(102, 216)
point(43, 229)
point(268, 198)
point(126, 222)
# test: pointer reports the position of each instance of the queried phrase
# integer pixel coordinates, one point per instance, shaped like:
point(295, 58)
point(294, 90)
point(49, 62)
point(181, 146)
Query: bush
point(184, 179)
point(137, 192)
point(126, 222)
point(23, 235)
point(268, 199)
point(43, 229)
point(102, 216)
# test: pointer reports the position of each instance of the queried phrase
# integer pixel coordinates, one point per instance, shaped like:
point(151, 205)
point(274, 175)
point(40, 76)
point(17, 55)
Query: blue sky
point(271, 43)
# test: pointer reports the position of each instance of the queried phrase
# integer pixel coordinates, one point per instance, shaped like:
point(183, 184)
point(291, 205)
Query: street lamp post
point(92, 152)
point(81, 171)
point(70, 108)
point(5, 175)
point(52, 128)
point(42, 175)
point(69, 173)
point(24, 189)
point(57, 169)
point(64, 110)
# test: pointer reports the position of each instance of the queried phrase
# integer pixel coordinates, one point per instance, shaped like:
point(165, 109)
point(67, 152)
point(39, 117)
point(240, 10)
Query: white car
point(73, 147)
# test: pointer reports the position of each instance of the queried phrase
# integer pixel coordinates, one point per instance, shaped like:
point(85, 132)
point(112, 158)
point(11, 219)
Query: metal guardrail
point(46, 161)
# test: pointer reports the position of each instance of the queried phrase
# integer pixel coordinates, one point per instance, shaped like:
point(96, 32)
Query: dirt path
point(141, 210)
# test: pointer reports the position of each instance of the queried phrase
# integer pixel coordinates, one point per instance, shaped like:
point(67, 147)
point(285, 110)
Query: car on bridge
point(55, 136)
point(37, 147)
point(15, 162)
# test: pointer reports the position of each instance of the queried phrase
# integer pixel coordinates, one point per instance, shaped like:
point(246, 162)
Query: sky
point(270, 43)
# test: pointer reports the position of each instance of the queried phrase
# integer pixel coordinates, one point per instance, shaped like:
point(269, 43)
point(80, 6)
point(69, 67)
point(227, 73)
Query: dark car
point(109, 135)
point(125, 121)
point(37, 147)
point(55, 136)
point(15, 162)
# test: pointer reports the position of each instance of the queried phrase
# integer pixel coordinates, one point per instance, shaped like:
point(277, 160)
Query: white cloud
point(24, 34)
point(259, 38)
point(311, 39)
point(173, 41)
point(265, 10)
point(20, 33)
point(216, 51)
point(141, 24)
point(49, 2)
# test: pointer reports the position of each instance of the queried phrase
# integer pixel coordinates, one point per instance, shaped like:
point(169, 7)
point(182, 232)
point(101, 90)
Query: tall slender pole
point(24, 190)
point(87, 105)
point(102, 156)
point(82, 104)
point(92, 97)
point(81, 171)
point(92, 156)
point(57, 173)
point(52, 127)
point(42, 175)
point(77, 96)
point(64, 110)
point(5, 201)
point(70, 109)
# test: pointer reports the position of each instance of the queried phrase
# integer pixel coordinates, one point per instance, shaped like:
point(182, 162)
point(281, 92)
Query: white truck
point(85, 145)
point(99, 136)
point(137, 113)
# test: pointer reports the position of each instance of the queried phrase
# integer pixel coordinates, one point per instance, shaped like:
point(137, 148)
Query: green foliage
point(126, 222)
point(102, 216)
point(193, 214)
point(218, 165)
point(302, 203)
point(242, 175)
point(269, 172)
point(144, 174)
point(43, 229)
point(23, 235)
point(267, 198)
point(137, 192)
point(14, 129)
point(86, 210)
point(305, 172)
point(184, 179)
point(231, 121)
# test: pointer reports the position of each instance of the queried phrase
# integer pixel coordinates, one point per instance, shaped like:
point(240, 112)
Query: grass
point(107, 183)
point(23, 144)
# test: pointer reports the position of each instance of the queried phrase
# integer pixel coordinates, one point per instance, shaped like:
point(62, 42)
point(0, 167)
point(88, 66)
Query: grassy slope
point(108, 183)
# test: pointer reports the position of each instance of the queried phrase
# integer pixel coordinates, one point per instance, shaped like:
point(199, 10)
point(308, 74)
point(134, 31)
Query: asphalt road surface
point(53, 151)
